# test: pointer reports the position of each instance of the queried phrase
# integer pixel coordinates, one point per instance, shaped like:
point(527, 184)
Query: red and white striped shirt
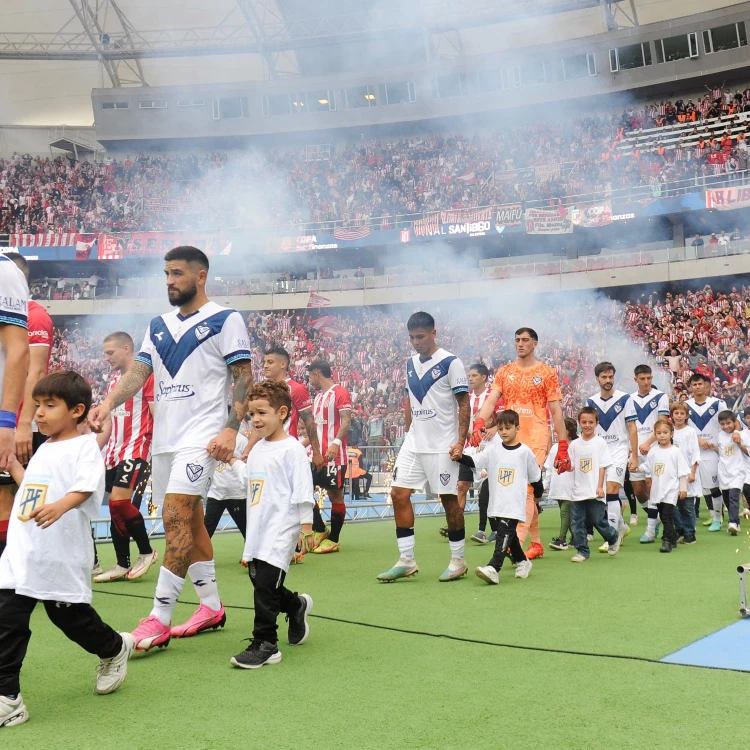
point(132, 426)
point(327, 409)
point(300, 402)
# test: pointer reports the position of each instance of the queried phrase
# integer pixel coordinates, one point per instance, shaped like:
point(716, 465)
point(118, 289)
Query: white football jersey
point(704, 419)
point(14, 299)
point(614, 414)
point(190, 357)
point(433, 385)
point(55, 563)
point(648, 409)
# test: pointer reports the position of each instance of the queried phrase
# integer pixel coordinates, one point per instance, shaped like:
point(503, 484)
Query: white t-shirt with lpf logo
point(587, 458)
point(732, 461)
point(509, 473)
point(665, 466)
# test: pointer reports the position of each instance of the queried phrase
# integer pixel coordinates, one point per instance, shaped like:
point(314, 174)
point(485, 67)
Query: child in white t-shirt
point(733, 456)
point(667, 473)
point(227, 492)
point(560, 488)
point(279, 515)
point(49, 556)
point(590, 458)
point(511, 467)
point(686, 439)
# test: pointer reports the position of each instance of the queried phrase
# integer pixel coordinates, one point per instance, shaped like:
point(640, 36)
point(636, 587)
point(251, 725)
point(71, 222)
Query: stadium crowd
point(686, 332)
point(375, 179)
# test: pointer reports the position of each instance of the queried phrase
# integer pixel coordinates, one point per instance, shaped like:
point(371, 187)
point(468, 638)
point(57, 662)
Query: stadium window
point(361, 96)
point(191, 102)
point(490, 80)
point(114, 105)
point(726, 37)
point(321, 101)
point(516, 77)
point(276, 104)
point(676, 47)
point(553, 70)
point(578, 66)
point(458, 84)
point(318, 152)
point(629, 57)
point(532, 73)
point(401, 92)
point(157, 104)
point(299, 103)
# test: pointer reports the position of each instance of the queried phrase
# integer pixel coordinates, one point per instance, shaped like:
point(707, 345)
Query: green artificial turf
point(353, 686)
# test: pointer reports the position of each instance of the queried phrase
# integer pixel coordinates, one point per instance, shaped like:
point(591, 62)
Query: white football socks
point(168, 589)
point(457, 548)
point(651, 526)
point(203, 576)
point(406, 547)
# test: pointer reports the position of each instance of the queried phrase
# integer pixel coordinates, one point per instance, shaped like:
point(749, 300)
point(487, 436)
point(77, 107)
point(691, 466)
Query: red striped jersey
point(300, 402)
point(327, 409)
point(132, 426)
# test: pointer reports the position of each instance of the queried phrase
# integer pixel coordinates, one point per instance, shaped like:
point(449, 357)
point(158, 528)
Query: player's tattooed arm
point(242, 377)
point(306, 415)
point(464, 416)
point(126, 388)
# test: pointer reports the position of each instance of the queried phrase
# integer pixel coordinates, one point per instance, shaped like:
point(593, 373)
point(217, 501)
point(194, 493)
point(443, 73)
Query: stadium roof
point(53, 52)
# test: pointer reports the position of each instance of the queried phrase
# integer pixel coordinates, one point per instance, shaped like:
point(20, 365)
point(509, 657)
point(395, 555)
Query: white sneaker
point(633, 519)
point(579, 558)
point(111, 673)
point(733, 529)
point(115, 573)
point(615, 547)
point(589, 537)
point(97, 570)
point(523, 569)
point(604, 547)
point(489, 574)
point(13, 712)
point(142, 564)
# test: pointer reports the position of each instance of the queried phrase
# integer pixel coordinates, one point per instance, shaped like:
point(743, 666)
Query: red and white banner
point(139, 244)
point(318, 300)
point(351, 234)
point(726, 199)
point(548, 221)
point(64, 239)
point(328, 325)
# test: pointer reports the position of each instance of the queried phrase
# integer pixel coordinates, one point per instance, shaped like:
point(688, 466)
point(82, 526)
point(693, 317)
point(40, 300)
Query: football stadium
point(374, 375)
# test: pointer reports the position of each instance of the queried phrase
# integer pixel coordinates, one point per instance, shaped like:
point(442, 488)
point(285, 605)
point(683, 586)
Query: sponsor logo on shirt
point(505, 476)
point(585, 465)
point(243, 343)
point(423, 414)
point(39, 334)
point(174, 392)
point(120, 411)
point(13, 304)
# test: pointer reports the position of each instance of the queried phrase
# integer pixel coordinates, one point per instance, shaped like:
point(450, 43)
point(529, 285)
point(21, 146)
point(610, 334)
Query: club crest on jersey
point(586, 464)
point(201, 332)
point(536, 380)
point(653, 404)
point(444, 479)
point(658, 470)
point(505, 476)
point(712, 411)
point(34, 496)
point(194, 472)
point(436, 373)
point(618, 408)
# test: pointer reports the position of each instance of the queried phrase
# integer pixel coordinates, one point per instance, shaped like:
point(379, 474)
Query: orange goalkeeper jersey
point(528, 391)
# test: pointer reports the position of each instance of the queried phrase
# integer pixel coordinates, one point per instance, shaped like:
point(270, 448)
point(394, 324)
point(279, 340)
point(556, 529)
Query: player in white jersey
point(649, 404)
point(704, 419)
point(191, 353)
point(617, 427)
point(14, 353)
point(436, 382)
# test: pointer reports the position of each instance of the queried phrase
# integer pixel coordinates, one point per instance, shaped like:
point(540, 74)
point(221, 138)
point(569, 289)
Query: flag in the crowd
point(469, 177)
point(318, 300)
point(227, 249)
point(328, 325)
point(351, 234)
point(83, 248)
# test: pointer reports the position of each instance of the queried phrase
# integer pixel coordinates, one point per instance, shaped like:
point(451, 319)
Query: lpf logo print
point(505, 476)
point(34, 496)
point(586, 464)
point(658, 470)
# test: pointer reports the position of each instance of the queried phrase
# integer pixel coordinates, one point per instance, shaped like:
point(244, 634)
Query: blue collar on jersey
point(183, 318)
point(701, 420)
point(643, 412)
point(607, 418)
point(174, 353)
point(420, 386)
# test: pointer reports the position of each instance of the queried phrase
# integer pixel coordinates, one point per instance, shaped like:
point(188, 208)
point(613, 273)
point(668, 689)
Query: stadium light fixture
point(322, 101)
point(370, 96)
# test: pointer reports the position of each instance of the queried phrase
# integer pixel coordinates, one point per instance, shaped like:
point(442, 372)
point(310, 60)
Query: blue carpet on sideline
point(728, 648)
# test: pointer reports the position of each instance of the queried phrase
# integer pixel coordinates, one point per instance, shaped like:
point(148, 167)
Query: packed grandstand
point(682, 144)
